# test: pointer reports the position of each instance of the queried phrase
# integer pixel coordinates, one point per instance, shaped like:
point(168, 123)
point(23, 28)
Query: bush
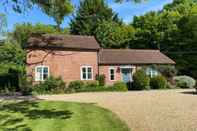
point(141, 80)
point(185, 81)
point(51, 86)
point(91, 84)
point(120, 86)
point(101, 79)
point(25, 85)
point(75, 86)
point(158, 82)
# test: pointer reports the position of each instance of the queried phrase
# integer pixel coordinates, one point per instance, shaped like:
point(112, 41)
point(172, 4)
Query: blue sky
point(126, 11)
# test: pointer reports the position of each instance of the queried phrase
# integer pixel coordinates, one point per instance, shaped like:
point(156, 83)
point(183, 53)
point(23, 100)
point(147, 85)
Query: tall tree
point(3, 24)
point(89, 14)
point(23, 31)
point(112, 35)
point(56, 9)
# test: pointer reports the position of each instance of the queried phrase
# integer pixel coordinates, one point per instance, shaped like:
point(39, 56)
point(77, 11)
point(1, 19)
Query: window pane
point(112, 71)
point(112, 74)
point(89, 70)
point(112, 77)
point(39, 70)
point(45, 70)
point(84, 70)
point(89, 75)
point(84, 75)
point(45, 76)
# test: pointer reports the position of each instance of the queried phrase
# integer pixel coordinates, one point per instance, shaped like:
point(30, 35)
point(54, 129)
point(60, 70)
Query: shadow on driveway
point(190, 92)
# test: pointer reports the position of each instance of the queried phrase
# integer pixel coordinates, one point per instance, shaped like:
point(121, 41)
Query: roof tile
point(63, 41)
point(131, 56)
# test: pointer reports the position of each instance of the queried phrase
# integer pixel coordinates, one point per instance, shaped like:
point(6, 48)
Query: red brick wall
point(62, 63)
point(104, 69)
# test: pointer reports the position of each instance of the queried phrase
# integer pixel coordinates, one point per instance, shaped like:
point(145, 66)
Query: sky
point(126, 11)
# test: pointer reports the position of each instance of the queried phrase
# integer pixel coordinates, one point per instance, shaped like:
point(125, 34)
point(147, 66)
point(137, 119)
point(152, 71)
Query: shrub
point(91, 84)
point(158, 82)
point(25, 85)
point(51, 85)
point(185, 81)
point(167, 71)
point(101, 79)
point(120, 86)
point(141, 80)
point(75, 85)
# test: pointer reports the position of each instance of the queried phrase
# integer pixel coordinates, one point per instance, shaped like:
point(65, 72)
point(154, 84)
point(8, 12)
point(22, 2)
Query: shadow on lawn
point(30, 110)
point(10, 123)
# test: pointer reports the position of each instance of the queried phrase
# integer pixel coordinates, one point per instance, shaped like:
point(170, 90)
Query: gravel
point(159, 110)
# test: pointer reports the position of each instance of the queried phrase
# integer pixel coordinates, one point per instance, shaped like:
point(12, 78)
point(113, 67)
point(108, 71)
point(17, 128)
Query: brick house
point(81, 58)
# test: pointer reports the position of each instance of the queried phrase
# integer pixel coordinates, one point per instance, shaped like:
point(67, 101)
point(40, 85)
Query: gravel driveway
point(161, 110)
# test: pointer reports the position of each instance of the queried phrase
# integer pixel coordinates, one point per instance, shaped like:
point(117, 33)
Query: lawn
point(57, 116)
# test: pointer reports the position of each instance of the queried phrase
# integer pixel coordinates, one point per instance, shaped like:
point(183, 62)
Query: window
point(86, 73)
point(151, 72)
point(112, 74)
point(41, 73)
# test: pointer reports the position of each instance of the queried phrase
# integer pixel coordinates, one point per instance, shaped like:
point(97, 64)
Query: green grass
point(56, 116)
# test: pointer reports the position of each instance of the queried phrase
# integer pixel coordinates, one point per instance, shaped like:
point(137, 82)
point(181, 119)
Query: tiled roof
point(63, 41)
point(132, 56)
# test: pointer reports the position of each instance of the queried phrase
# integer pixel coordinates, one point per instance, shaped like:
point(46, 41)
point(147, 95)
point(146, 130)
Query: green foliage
point(167, 71)
point(101, 79)
point(110, 34)
point(172, 30)
point(12, 59)
point(91, 84)
point(57, 9)
point(23, 31)
point(75, 86)
point(185, 81)
point(50, 85)
point(88, 16)
point(11, 53)
point(25, 85)
point(158, 82)
point(3, 24)
point(140, 80)
point(120, 86)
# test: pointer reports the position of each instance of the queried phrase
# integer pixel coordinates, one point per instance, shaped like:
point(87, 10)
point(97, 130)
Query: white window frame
point(81, 70)
point(112, 68)
point(151, 72)
point(37, 77)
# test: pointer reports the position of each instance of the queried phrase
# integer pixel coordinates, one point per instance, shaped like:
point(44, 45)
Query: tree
point(11, 57)
point(23, 31)
point(136, 1)
point(113, 35)
point(57, 9)
point(3, 24)
point(88, 16)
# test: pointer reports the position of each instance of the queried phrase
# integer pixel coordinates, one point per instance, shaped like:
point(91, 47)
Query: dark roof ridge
point(126, 49)
point(71, 35)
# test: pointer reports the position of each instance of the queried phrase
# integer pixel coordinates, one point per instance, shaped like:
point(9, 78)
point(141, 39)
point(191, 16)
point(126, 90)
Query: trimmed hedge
point(158, 82)
point(141, 81)
point(185, 81)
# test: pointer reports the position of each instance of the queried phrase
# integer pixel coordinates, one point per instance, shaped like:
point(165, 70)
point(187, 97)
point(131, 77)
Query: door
point(126, 75)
